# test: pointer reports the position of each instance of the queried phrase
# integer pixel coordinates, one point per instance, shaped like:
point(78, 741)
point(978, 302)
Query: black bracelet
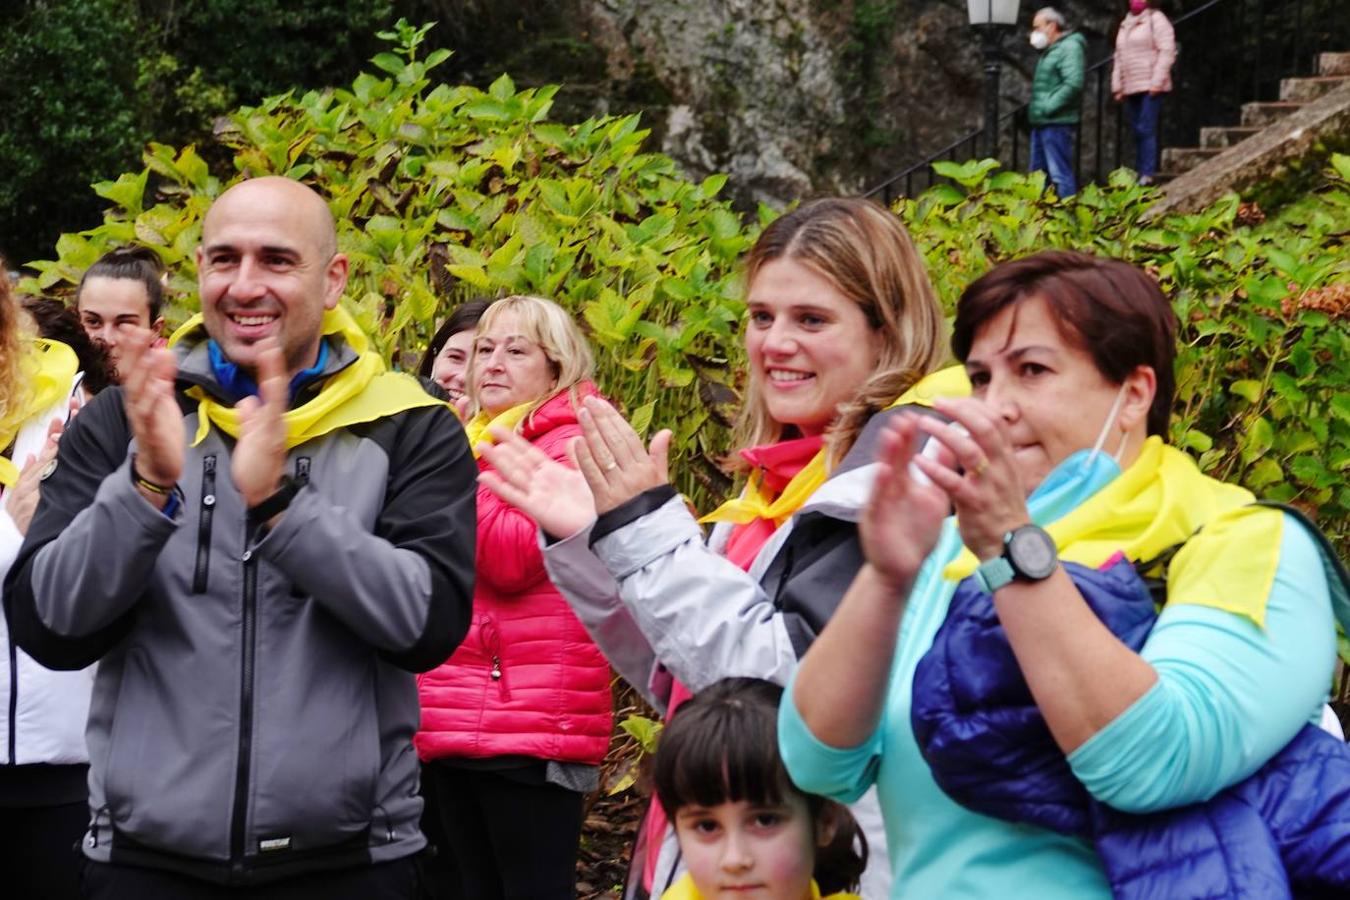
point(275, 504)
point(152, 487)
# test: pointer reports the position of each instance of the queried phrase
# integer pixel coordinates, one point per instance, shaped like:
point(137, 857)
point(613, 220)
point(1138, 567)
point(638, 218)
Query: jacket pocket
point(202, 568)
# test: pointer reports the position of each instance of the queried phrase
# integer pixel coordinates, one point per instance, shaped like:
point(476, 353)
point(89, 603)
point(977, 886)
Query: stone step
point(1177, 160)
point(1306, 90)
point(1263, 114)
point(1222, 137)
point(1333, 64)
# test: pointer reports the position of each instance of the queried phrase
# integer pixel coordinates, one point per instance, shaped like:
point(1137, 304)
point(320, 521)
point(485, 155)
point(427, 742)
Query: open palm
point(903, 518)
point(555, 496)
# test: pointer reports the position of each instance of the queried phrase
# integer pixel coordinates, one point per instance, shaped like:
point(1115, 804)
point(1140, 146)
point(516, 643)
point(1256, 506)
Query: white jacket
point(50, 707)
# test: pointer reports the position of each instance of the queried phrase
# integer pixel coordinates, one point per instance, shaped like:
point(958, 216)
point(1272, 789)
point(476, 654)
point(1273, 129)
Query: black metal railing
point(1231, 52)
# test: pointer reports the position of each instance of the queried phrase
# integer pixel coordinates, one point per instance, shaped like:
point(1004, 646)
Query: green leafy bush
point(442, 193)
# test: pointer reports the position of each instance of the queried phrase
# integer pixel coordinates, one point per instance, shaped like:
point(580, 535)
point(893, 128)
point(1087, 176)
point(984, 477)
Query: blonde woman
point(517, 721)
point(43, 760)
point(842, 321)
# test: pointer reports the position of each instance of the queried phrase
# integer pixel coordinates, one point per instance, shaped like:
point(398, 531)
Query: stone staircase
point(1333, 70)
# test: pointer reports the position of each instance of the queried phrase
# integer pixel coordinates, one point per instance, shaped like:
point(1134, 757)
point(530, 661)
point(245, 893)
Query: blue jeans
point(1052, 151)
point(1141, 111)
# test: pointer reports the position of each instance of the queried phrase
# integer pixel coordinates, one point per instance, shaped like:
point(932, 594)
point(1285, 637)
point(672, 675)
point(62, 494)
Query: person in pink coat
point(517, 721)
point(1146, 48)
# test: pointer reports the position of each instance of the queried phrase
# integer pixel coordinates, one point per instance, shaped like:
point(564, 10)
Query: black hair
point(134, 264)
point(462, 318)
point(722, 747)
point(58, 322)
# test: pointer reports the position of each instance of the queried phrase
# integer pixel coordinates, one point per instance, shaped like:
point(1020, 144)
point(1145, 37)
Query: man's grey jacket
point(255, 702)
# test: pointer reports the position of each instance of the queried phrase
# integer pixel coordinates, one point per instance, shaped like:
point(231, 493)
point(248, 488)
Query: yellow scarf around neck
point(1161, 500)
point(685, 889)
point(477, 427)
point(756, 503)
point(362, 392)
point(48, 368)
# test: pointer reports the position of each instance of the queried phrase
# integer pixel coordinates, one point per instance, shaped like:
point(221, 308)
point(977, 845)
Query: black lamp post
point(992, 19)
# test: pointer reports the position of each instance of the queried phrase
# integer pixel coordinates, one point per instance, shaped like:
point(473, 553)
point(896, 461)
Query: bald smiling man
point(260, 538)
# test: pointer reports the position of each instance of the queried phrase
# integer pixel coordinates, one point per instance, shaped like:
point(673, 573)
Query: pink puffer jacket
point(1146, 48)
point(527, 680)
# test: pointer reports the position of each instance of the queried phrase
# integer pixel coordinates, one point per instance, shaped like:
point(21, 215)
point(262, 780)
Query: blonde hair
point(548, 325)
point(866, 253)
point(14, 338)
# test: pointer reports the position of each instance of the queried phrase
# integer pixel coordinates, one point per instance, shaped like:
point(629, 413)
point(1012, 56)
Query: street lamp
point(992, 19)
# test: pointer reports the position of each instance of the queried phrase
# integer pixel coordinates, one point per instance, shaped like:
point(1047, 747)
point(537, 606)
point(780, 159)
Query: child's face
point(744, 851)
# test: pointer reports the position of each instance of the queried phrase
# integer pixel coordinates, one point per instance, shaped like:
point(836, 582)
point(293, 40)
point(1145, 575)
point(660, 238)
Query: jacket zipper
point(240, 821)
point(13, 738)
point(492, 639)
point(204, 525)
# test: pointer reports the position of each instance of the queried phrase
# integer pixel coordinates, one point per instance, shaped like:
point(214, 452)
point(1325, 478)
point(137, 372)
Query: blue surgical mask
point(1078, 477)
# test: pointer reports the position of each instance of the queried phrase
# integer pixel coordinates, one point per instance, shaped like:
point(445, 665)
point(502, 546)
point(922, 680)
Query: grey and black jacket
point(660, 602)
point(255, 703)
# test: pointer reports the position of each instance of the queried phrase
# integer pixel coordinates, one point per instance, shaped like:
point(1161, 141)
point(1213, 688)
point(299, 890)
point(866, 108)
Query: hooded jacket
point(254, 708)
point(527, 680)
point(1057, 86)
point(1283, 832)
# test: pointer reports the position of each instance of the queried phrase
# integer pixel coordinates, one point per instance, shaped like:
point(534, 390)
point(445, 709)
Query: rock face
point(789, 97)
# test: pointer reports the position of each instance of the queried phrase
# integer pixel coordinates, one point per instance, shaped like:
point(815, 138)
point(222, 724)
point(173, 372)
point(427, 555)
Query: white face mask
point(1039, 40)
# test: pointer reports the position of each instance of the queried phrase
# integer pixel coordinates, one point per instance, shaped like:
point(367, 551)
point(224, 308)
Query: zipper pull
point(496, 668)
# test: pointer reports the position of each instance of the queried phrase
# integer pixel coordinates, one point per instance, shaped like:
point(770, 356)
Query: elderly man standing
point(1056, 90)
point(260, 537)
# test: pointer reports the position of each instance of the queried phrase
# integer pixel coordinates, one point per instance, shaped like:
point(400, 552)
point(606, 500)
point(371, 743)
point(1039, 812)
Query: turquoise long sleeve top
point(1229, 695)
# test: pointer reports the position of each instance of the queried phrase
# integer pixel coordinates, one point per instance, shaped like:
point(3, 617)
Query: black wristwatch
point(277, 503)
point(1029, 554)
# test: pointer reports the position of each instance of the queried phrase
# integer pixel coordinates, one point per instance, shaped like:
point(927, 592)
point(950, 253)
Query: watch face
point(1032, 552)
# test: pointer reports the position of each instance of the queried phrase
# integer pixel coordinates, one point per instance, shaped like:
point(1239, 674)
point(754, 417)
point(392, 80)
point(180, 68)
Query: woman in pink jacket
point(1146, 48)
point(517, 721)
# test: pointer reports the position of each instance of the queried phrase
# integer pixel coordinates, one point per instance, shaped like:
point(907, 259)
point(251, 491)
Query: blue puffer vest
point(1282, 833)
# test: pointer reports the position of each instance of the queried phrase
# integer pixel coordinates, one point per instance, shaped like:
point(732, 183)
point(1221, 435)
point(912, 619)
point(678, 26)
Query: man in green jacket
point(1056, 90)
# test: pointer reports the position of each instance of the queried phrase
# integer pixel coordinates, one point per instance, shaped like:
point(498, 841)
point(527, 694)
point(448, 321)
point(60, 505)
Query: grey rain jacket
point(255, 702)
point(662, 603)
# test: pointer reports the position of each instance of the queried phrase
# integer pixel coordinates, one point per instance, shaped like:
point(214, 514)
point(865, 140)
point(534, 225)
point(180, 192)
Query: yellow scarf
point(362, 392)
point(684, 889)
point(1161, 501)
point(477, 427)
point(48, 368)
point(756, 503)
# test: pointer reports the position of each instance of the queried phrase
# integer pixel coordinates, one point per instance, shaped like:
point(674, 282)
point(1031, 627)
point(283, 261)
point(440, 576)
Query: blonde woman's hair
point(14, 338)
point(865, 252)
point(548, 325)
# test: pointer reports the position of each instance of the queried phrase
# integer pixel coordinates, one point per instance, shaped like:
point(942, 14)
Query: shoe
point(1145, 180)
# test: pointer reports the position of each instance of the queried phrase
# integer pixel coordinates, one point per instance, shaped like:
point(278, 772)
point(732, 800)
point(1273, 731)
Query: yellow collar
point(361, 392)
point(477, 427)
point(47, 369)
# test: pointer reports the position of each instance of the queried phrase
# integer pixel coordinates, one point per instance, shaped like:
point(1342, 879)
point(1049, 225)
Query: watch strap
point(275, 504)
point(994, 573)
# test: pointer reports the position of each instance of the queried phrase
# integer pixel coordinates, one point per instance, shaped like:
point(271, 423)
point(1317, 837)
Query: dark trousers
point(506, 839)
point(39, 850)
point(387, 881)
point(1141, 110)
point(1052, 152)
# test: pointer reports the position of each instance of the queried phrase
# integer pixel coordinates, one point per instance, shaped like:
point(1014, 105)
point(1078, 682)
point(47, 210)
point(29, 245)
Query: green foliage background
point(446, 192)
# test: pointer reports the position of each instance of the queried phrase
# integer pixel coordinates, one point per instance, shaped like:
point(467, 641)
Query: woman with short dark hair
point(1060, 456)
point(446, 361)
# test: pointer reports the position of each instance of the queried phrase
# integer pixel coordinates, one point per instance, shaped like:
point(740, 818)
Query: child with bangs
point(744, 829)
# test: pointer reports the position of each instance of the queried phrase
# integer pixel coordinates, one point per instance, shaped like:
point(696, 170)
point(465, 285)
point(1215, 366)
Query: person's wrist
point(145, 472)
point(893, 583)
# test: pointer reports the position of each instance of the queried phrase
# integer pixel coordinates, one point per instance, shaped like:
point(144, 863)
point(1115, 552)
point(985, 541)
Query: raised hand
point(555, 496)
point(156, 421)
point(988, 493)
point(616, 465)
point(901, 522)
point(21, 500)
point(260, 454)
